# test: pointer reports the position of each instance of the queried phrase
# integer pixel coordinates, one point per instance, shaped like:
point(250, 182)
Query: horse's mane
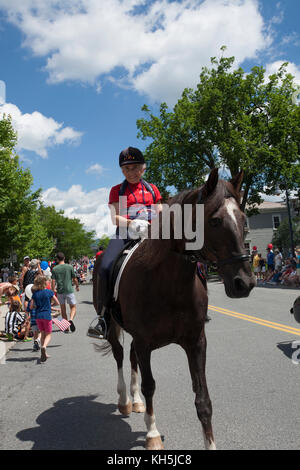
point(154, 252)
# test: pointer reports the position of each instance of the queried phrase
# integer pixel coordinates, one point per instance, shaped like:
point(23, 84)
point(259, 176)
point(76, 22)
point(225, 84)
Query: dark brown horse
point(163, 300)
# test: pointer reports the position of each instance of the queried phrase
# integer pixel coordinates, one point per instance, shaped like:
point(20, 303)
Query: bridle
point(197, 255)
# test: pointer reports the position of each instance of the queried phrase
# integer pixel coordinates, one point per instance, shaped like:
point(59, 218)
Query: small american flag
point(62, 324)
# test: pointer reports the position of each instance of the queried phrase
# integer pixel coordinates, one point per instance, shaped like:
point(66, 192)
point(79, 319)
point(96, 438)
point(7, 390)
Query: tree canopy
point(232, 119)
point(27, 227)
point(281, 238)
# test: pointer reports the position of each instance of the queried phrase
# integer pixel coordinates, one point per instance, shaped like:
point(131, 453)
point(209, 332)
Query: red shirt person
point(132, 215)
point(99, 253)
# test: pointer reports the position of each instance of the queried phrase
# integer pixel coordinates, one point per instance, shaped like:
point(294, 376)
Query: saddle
point(115, 277)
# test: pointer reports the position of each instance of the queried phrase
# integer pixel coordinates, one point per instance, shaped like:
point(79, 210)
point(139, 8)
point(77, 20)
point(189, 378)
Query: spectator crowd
point(276, 270)
point(37, 295)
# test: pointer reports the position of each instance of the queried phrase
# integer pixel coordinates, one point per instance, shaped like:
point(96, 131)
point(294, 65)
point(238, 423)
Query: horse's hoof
point(138, 407)
point(154, 443)
point(125, 409)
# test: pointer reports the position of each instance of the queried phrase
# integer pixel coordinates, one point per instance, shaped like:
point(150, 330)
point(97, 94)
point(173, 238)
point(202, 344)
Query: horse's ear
point(237, 180)
point(211, 183)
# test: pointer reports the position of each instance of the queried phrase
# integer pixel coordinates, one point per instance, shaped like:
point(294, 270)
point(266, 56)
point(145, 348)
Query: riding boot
point(100, 330)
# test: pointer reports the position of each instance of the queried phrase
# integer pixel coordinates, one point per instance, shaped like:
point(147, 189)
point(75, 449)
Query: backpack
point(29, 277)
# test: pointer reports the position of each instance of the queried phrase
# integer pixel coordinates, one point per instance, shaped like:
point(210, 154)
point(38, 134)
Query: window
point(276, 221)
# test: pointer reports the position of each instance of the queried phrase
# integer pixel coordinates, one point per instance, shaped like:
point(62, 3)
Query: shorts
point(69, 298)
point(263, 269)
point(44, 325)
point(257, 270)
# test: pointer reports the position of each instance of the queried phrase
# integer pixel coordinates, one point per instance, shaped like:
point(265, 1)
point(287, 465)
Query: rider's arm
point(116, 218)
point(158, 207)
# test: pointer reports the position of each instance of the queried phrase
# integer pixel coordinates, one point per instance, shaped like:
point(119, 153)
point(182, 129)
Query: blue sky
point(77, 73)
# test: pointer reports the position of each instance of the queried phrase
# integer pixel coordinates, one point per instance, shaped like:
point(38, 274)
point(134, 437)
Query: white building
point(260, 227)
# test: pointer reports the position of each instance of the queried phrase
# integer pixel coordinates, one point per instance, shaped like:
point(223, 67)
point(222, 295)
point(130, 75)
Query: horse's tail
point(106, 348)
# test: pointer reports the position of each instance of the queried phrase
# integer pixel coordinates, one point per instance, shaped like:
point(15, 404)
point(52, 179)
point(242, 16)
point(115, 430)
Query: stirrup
point(97, 331)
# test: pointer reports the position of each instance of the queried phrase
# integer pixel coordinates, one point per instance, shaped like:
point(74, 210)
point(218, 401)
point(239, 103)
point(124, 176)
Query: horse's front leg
point(137, 403)
point(153, 439)
point(196, 353)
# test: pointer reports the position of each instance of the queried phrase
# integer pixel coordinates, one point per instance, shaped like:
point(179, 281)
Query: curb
point(5, 346)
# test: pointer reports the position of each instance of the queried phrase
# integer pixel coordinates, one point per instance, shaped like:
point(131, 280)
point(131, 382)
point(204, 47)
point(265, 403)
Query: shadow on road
point(286, 348)
point(34, 355)
point(82, 423)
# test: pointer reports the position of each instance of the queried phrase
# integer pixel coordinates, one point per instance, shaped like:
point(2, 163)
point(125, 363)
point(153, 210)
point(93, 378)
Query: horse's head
point(224, 233)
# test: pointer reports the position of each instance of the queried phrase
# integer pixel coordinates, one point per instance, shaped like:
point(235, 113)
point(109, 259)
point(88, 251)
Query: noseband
point(195, 256)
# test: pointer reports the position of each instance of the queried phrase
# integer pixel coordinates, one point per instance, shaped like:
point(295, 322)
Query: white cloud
point(90, 208)
point(37, 132)
point(291, 68)
point(95, 169)
point(158, 47)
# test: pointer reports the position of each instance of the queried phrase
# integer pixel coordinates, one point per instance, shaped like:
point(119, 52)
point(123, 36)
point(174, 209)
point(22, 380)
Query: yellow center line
point(257, 320)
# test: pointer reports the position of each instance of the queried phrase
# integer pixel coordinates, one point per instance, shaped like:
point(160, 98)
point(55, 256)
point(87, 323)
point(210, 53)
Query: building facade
point(261, 227)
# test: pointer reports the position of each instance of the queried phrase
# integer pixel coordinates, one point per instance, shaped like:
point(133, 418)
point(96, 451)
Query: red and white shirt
point(138, 197)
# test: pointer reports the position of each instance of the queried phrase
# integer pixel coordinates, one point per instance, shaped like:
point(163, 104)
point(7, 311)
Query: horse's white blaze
point(151, 426)
point(134, 387)
point(231, 207)
point(121, 388)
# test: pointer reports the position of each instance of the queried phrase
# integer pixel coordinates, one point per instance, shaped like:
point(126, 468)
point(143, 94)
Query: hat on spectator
point(47, 273)
point(254, 248)
point(44, 265)
point(33, 263)
point(270, 246)
point(28, 291)
point(26, 257)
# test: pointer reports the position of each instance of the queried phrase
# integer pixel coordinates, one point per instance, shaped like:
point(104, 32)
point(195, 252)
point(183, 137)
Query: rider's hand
point(138, 228)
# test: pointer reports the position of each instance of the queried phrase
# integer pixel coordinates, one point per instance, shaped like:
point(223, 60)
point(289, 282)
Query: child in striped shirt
point(16, 325)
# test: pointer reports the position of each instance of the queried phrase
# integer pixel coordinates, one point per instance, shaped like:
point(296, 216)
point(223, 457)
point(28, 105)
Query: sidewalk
point(275, 285)
point(5, 345)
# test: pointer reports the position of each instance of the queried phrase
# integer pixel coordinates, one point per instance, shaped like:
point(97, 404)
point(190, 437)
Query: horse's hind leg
point(196, 354)
point(124, 403)
point(137, 403)
point(153, 440)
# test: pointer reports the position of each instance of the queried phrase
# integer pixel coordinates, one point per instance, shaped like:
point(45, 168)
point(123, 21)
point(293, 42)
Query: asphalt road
point(70, 401)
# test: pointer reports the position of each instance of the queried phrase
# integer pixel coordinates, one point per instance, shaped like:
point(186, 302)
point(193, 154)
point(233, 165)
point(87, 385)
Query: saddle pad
point(128, 253)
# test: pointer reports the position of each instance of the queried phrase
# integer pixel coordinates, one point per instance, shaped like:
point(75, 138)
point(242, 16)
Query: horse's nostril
point(239, 284)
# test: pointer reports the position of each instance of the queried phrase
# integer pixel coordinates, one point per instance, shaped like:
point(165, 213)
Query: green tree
point(17, 201)
point(27, 227)
point(232, 118)
point(104, 241)
point(68, 235)
point(281, 238)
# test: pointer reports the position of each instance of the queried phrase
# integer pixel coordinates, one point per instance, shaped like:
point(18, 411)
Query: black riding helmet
point(131, 155)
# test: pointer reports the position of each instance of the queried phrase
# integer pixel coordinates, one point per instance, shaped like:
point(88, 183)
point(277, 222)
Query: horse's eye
point(215, 222)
